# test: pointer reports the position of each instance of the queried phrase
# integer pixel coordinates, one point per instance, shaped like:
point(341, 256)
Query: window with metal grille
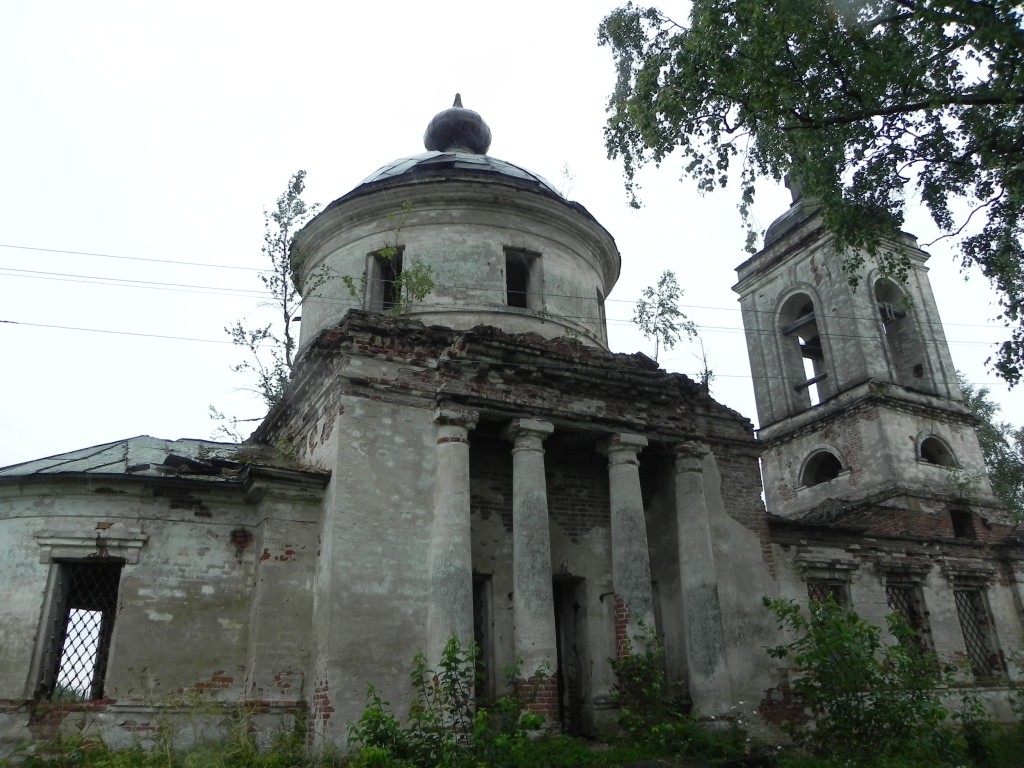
point(907, 602)
point(823, 591)
point(977, 630)
point(81, 626)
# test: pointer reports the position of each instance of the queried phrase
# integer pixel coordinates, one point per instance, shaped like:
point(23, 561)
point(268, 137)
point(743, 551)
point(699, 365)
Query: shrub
point(866, 699)
point(444, 727)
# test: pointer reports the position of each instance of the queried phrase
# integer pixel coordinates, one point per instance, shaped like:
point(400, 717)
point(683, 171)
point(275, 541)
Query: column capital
point(459, 417)
point(518, 429)
point(622, 447)
point(689, 455)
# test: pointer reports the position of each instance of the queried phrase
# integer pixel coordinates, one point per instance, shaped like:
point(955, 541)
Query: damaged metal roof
point(142, 455)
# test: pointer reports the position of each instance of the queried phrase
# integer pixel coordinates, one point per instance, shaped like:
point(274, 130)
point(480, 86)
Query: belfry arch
point(902, 337)
point(803, 351)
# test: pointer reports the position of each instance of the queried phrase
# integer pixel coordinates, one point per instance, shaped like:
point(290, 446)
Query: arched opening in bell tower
point(902, 338)
point(803, 354)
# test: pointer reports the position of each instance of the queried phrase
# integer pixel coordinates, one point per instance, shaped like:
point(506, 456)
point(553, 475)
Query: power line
point(450, 286)
point(719, 374)
point(227, 291)
point(131, 258)
point(116, 333)
point(128, 282)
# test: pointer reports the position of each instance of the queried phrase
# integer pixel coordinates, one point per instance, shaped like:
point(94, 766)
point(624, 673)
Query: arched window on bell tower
point(907, 358)
point(803, 354)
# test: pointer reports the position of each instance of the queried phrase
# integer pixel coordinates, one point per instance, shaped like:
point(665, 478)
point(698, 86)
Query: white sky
point(162, 131)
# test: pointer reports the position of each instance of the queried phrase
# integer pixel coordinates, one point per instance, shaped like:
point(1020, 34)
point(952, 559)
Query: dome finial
point(458, 130)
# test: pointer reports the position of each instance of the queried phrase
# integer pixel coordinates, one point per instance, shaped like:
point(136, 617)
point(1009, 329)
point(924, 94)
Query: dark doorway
point(483, 636)
point(568, 598)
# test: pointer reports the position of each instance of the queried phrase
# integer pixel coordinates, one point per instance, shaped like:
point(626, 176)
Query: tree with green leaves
point(867, 698)
point(1002, 446)
point(864, 104)
point(271, 347)
point(658, 316)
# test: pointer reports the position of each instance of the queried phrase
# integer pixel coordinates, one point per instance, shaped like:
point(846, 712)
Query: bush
point(653, 716)
point(866, 699)
point(444, 728)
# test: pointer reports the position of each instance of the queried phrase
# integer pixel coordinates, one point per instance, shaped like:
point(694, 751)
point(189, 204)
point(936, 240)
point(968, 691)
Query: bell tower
point(856, 393)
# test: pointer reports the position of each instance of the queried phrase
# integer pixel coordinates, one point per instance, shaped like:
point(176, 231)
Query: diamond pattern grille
point(78, 657)
point(85, 605)
point(904, 601)
point(822, 591)
point(970, 609)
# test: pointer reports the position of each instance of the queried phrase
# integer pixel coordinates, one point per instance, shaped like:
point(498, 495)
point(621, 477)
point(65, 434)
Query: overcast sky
point(157, 133)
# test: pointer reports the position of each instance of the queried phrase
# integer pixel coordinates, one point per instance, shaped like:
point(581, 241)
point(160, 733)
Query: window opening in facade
point(963, 524)
point(934, 451)
point(820, 468)
point(522, 279)
point(601, 311)
point(976, 627)
point(906, 600)
point(384, 287)
point(804, 354)
point(905, 345)
point(81, 627)
point(824, 591)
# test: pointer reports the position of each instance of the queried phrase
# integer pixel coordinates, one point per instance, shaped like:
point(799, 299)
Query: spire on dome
point(458, 130)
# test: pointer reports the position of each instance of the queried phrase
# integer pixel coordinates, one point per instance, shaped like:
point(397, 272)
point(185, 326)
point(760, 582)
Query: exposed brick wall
point(218, 681)
point(781, 704)
point(741, 494)
point(490, 467)
point(320, 710)
point(540, 693)
point(622, 617)
point(576, 478)
point(577, 483)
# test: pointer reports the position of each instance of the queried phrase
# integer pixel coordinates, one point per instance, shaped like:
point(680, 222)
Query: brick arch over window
point(903, 340)
point(935, 450)
point(803, 353)
point(821, 466)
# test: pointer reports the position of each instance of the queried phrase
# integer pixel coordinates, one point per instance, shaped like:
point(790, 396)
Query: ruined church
point(479, 465)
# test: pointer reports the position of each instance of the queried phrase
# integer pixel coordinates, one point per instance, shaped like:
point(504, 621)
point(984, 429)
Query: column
point(631, 563)
point(704, 638)
point(451, 560)
point(532, 601)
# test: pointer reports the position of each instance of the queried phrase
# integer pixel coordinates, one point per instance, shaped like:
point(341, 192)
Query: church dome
point(499, 244)
point(456, 140)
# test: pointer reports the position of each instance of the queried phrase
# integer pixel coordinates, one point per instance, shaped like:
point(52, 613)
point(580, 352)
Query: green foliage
point(1002, 445)
point(270, 348)
point(658, 316)
point(444, 727)
point(651, 712)
point(855, 101)
point(410, 286)
point(238, 750)
point(645, 698)
point(865, 698)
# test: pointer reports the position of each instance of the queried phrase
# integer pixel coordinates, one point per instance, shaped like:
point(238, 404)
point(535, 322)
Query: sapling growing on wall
point(658, 316)
point(271, 347)
point(408, 284)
